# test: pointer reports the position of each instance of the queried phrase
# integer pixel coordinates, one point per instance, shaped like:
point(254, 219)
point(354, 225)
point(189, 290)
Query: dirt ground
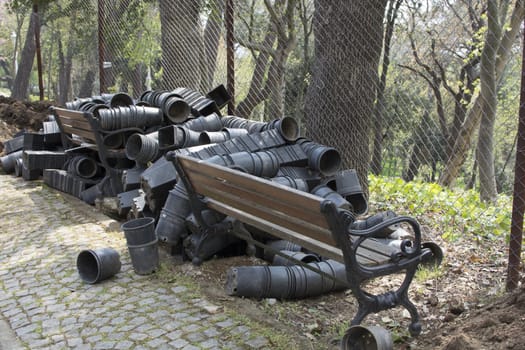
point(462, 304)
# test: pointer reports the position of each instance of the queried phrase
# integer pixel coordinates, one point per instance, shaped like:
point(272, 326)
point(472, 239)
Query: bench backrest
point(74, 123)
point(283, 212)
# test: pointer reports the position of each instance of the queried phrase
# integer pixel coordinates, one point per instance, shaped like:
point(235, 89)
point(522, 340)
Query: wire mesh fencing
point(421, 98)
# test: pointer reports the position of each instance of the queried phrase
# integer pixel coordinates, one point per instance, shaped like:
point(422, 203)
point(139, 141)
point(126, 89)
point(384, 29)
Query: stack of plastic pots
point(142, 245)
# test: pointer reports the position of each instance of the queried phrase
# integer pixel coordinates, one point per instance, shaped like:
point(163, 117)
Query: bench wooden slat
point(206, 185)
point(372, 246)
point(268, 214)
point(277, 231)
point(87, 134)
point(77, 123)
point(285, 194)
point(368, 250)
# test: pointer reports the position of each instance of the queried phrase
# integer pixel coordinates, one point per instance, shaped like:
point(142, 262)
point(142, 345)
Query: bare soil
point(462, 304)
point(16, 116)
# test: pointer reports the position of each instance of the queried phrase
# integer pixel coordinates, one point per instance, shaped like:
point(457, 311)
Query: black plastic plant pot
point(290, 155)
point(367, 338)
point(220, 95)
point(120, 100)
point(325, 159)
point(205, 106)
point(19, 166)
point(131, 177)
point(347, 185)
point(210, 122)
point(139, 231)
point(142, 148)
point(85, 167)
point(174, 137)
point(9, 161)
point(159, 178)
point(145, 96)
point(288, 181)
point(279, 260)
point(207, 137)
point(144, 257)
point(201, 246)
point(285, 282)
point(95, 265)
point(89, 195)
point(263, 163)
point(34, 142)
point(171, 137)
point(114, 140)
point(176, 109)
point(437, 254)
point(278, 245)
point(287, 127)
point(231, 121)
point(327, 193)
point(235, 132)
point(171, 227)
point(16, 144)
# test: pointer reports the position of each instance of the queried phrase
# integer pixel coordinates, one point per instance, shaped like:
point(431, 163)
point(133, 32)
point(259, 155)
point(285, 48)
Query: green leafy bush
point(453, 213)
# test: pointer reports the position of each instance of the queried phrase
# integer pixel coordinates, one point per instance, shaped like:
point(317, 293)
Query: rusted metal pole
point(38, 52)
point(101, 47)
point(518, 200)
point(230, 55)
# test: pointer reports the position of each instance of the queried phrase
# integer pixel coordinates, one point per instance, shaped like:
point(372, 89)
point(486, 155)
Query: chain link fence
point(425, 92)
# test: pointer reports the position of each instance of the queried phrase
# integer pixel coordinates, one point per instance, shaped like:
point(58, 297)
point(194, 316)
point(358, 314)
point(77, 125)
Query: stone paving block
point(257, 343)
point(225, 324)
point(124, 344)
point(195, 337)
point(210, 344)
point(105, 345)
point(138, 336)
point(156, 333)
point(156, 343)
point(178, 344)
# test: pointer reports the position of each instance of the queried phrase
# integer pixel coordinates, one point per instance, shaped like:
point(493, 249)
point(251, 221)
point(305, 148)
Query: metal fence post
point(101, 47)
point(518, 200)
point(230, 55)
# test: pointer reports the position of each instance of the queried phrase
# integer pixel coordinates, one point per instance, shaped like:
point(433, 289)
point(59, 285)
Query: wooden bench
point(310, 221)
point(81, 133)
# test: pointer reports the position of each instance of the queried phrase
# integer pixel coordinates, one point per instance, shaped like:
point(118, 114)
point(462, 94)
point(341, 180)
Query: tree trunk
point(180, 33)
point(472, 120)
point(21, 82)
point(340, 97)
point(376, 165)
point(488, 95)
point(271, 87)
point(212, 35)
point(255, 93)
point(86, 88)
point(66, 62)
point(62, 80)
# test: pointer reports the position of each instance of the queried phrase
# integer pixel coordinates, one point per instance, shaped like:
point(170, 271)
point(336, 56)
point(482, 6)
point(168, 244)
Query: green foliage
point(453, 213)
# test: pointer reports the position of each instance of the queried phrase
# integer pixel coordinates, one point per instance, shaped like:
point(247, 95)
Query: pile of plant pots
point(155, 203)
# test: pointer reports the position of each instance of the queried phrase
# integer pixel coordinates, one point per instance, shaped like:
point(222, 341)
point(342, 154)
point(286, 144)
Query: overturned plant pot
point(95, 265)
point(285, 282)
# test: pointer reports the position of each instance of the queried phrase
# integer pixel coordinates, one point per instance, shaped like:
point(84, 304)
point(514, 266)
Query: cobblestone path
point(48, 307)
